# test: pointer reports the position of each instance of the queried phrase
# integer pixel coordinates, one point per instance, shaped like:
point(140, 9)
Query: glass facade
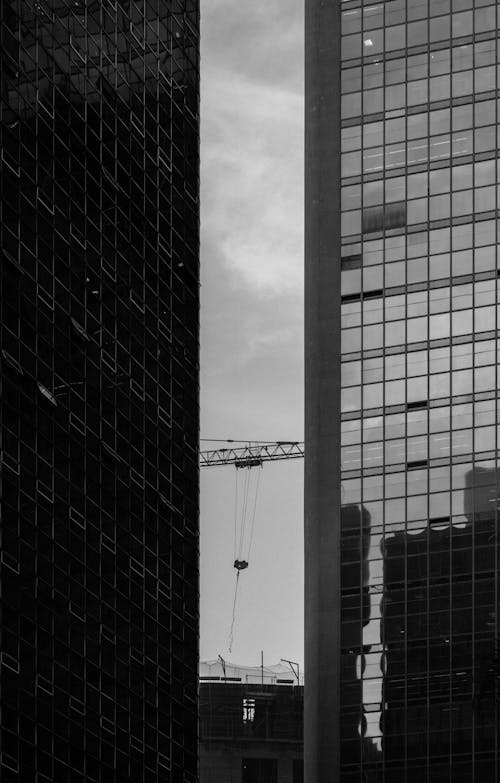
point(419, 410)
point(99, 389)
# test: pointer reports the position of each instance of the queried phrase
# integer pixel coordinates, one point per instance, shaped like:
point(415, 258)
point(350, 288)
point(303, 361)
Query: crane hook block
point(240, 565)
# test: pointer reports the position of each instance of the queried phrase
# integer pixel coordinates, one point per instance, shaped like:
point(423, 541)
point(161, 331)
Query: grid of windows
point(99, 403)
point(420, 416)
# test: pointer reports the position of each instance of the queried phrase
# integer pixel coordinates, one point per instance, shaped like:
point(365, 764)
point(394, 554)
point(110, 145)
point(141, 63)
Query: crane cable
point(243, 521)
point(235, 514)
point(254, 513)
point(247, 519)
point(231, 632)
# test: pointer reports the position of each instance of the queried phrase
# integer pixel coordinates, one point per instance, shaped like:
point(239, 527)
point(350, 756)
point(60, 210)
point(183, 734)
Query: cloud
point(262, 41)
point(252, 347)
point(252, 182)
point(252, 325)
point(252, 138)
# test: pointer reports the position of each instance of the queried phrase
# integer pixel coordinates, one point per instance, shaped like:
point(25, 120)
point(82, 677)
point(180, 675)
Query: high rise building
point(401, 421)
point(99, 402)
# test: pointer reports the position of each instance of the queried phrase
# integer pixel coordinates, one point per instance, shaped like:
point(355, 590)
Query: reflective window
point(419, 204)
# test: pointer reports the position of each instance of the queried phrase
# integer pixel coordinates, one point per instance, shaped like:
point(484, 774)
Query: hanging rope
point(231, 632)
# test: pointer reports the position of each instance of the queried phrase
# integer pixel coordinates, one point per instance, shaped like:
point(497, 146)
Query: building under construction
point(250, 724)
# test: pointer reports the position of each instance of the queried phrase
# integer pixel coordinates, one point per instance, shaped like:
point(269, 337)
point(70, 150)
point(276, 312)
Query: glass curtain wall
point(99, 390)
point(419, 376)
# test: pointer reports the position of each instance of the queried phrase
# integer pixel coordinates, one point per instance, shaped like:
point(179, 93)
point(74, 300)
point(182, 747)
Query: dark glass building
point(99, 390)
point(402, 391)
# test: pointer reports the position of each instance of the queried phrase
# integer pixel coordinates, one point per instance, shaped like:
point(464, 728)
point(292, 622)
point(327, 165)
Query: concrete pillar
point(322, 362)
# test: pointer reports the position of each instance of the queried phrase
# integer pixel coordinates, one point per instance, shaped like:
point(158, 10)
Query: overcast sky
point(252, 316)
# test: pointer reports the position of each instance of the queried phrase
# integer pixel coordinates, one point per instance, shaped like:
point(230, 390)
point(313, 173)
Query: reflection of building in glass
point(250, 725)
point(439, 641)
point(99, 334)
point(357, 714)
point(402, 281)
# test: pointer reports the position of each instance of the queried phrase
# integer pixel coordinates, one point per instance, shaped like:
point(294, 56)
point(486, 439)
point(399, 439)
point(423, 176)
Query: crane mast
point(250, 456)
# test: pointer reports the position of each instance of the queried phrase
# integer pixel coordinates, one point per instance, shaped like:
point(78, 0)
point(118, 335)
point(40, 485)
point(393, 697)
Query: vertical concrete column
point(322, 365)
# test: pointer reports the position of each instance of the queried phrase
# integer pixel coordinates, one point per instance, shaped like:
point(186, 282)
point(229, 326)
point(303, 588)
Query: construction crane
point(252, 455)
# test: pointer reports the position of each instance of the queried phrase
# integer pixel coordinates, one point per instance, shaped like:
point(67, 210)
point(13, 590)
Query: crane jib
point(252, 455)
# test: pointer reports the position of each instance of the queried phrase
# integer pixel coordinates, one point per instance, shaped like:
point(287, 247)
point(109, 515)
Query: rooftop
point(219, 670)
